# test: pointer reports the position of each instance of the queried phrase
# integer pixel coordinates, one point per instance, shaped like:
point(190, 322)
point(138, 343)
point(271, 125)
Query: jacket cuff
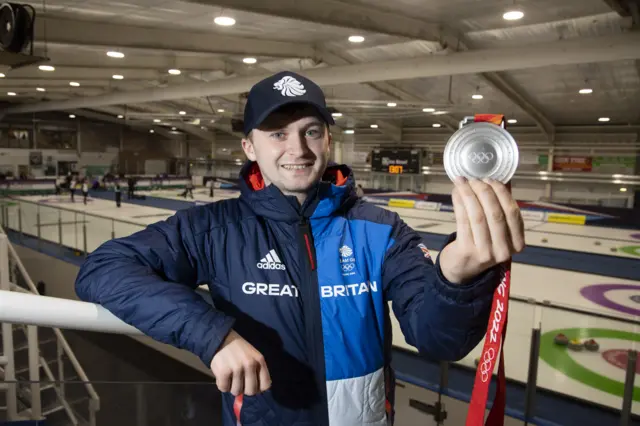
point(218, 336)
point(481, 286)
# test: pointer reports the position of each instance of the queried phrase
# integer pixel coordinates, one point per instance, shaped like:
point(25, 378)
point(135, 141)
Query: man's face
point(292, 149)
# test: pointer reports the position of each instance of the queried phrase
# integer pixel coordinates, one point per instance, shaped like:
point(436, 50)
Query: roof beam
point(109, 35)
point(562, 52)
point(337, 14)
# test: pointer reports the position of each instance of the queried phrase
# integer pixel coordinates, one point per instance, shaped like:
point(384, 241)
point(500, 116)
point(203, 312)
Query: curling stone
point(576, 345)
point(591, 345)
point(561, 340)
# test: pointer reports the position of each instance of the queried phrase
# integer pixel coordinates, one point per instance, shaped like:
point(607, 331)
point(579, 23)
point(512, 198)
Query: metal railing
point(9, 261)
point(20, 307)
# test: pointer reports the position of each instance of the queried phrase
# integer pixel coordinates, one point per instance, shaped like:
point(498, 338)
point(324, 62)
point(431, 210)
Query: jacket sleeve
point(148, 280)
point(444, 321)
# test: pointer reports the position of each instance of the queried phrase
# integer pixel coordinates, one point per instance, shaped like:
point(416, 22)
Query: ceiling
point(418, 54)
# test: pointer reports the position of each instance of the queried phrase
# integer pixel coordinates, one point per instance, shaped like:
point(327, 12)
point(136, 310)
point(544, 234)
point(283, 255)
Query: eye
point(278, 135)
point(313, 133)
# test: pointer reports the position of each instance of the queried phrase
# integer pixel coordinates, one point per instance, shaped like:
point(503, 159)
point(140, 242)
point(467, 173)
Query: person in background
point(85, 190)
point(72, 188)
point(210, 184)
point(118, 192)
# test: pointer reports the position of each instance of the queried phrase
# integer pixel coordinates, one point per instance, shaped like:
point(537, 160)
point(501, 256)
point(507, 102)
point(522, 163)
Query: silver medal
point(481, 150)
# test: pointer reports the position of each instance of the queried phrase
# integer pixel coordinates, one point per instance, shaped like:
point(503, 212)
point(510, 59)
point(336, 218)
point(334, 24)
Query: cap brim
point(322, 110)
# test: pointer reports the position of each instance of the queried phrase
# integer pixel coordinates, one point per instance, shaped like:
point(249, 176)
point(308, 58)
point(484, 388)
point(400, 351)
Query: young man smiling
point(301, 272)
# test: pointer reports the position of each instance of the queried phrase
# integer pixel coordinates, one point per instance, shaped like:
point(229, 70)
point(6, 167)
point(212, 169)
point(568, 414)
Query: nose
point(297, 145)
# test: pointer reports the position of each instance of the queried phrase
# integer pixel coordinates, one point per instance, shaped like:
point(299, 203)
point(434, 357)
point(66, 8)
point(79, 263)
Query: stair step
point(25, 345)
point(57, 406)
point(26, 369)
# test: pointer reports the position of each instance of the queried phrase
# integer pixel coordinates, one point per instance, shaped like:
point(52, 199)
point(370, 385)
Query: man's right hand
point(239, 368)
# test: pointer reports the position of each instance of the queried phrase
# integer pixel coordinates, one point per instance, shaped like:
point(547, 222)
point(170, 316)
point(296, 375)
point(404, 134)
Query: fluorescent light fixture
point(173, 128)
point(174, 71)
point(356, 39)
point(623, 189)
point(11, 93)
point(349, 131)
point(604, 119)
point(439, 112)
point(336, 114)
point(114, 54)
point(586, 91)
point(120, 116)
point(428, 110)
point(117, 77)
point(249, 60)
point(41, 89)
point(151, 131)
point(477, 96)
point(225, 21)
point(74, 83)
point(221, 110)
point(513, 15)
point(72, 116)
point(182, 113)
point(512, 121)
point(156, 120)
point(374, 126)
point(392, 104)
point(46, 68)
point(2, 75)
point(436, 125)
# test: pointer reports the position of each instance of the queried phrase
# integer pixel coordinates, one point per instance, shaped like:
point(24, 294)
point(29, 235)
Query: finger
point(512, 214)
point(251, 379)
point(496, 220)
point(463, 227)
point(223, 380)
point(237, 384)
point(265, 377)
point(476, 214)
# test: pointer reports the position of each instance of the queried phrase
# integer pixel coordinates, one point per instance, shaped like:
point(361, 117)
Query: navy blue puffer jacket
point(309, 286)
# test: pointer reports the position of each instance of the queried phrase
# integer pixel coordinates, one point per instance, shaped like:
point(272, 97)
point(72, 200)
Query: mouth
point(294, 167)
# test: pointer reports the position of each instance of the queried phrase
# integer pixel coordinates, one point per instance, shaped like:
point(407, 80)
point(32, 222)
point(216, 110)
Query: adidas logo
point(271, 261)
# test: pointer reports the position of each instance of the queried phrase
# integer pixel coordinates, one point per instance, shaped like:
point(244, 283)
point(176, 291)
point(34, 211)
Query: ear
point(247, 147)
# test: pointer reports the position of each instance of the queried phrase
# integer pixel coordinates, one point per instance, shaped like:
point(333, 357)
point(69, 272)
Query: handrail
point(63, 341)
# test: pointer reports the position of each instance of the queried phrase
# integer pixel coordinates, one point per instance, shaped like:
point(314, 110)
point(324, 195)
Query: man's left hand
point(490, 229)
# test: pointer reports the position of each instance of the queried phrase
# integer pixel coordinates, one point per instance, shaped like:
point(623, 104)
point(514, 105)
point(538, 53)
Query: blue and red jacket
point(311, 287)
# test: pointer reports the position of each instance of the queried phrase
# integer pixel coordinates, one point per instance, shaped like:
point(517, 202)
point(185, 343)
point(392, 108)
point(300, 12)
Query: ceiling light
point(513, 15)
point(224, 21)
point(512, 121)
point(156, 120)
point(356, 39)
point(392, 104)
point(349, 131)
point(623, 189)
point(604, 119)
point(120, 116)
point(336, 114)
point(428, 109)
point(117, 77)
point(173, 128)
point(439, 112)
point(182, 113)
point(74, 84)
point(436, 125)
point(374, 126)
point(249, 60)
point(175, 71)
point(1, 75)
point(11, 93)
point(151, 131)
point(477, 96)
point(40, 89)
point(220, 110)
point(72, 116)
point(586, 91)
point(114, 54)
point(46, 68)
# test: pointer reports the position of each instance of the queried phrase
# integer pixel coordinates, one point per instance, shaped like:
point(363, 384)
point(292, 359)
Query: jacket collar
point(335, 190)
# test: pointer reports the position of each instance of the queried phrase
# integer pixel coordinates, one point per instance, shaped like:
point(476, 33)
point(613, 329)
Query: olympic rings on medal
point(481, 157)
point(486, 368)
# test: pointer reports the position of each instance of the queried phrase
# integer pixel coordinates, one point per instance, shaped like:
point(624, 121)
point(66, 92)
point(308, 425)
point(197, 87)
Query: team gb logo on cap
point(289, 86)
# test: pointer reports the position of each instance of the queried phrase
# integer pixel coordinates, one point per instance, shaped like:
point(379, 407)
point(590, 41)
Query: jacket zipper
point(313, 322)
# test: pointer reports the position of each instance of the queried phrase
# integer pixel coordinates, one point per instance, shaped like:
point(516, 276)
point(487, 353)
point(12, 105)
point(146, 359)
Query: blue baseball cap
point(282, 89)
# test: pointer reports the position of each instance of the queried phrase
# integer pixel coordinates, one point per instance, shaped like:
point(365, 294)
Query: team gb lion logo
point(289, 86)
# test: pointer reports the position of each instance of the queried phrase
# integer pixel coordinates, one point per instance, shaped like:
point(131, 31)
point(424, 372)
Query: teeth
point(295, 166)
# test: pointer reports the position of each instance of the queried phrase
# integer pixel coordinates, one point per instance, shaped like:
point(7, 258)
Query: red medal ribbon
point(494, 341)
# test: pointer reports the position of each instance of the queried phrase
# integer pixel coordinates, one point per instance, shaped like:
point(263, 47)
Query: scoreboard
point(396, 161)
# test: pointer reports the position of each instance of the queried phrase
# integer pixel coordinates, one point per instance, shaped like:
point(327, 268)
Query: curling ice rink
point(593, 376)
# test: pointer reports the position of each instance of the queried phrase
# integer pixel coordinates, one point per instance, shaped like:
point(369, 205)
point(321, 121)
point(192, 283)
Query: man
point(301, 271)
